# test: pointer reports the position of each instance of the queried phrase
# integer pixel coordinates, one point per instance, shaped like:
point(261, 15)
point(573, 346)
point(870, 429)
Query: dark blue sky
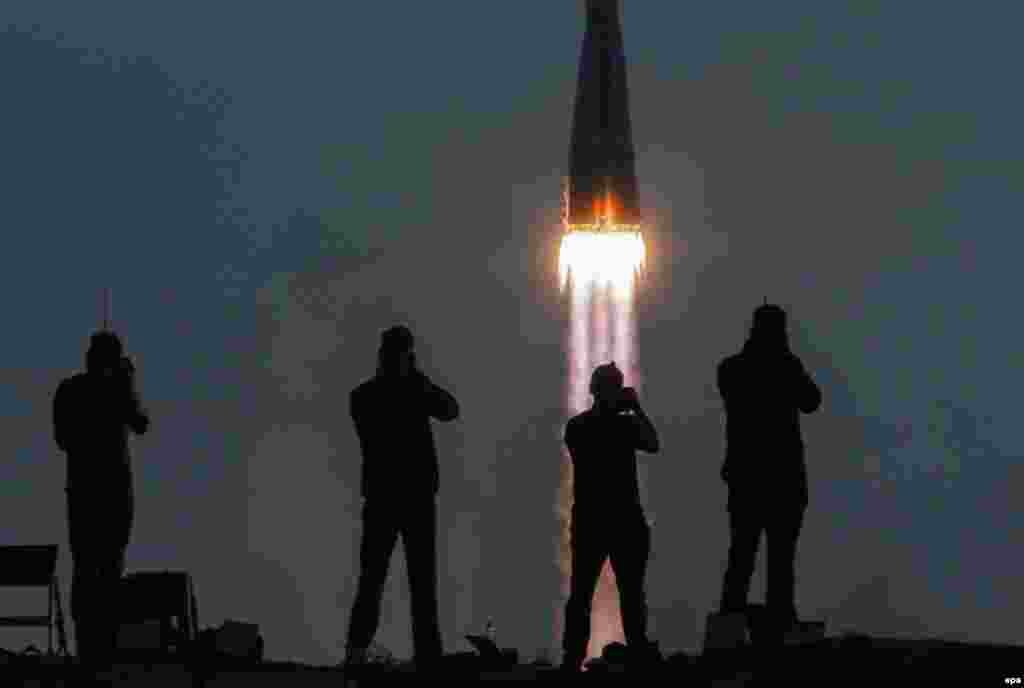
point(266, 187)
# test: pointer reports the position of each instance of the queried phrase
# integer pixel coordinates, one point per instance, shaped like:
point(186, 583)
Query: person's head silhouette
point(606, 384)
point(769, 327)
point(397, 355)
point(104, 353)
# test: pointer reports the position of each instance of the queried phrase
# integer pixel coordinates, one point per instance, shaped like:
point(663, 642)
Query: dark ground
point(850, 661)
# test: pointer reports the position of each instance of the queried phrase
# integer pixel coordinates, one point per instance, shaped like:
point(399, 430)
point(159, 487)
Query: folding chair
point(34, 566)
point(165, 597)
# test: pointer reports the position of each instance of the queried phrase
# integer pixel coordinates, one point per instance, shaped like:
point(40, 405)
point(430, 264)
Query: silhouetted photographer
point(400, 480)
point(765, 388)
point(608, 520)
point(93, 414)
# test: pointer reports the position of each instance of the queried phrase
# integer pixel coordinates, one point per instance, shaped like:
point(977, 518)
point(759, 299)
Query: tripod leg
point(62, 640)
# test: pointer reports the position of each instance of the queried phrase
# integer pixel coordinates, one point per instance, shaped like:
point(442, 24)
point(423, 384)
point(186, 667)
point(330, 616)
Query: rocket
point(600, 191)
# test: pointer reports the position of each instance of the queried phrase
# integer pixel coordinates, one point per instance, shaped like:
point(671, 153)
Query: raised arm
point(645, 437)
point(136, 417)
point(644, 432)
point(440, 403)
point(806, 392)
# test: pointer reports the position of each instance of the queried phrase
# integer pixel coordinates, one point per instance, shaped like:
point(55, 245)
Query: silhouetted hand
point(423, 383)
point(630, 399)
point(126, 374)
point(126, 367)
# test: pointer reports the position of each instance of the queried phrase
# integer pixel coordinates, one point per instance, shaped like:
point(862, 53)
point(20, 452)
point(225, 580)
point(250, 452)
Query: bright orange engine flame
point(601, 263)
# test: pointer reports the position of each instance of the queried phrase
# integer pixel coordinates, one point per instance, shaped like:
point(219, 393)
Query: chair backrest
point(27, 565)
point(151, 595)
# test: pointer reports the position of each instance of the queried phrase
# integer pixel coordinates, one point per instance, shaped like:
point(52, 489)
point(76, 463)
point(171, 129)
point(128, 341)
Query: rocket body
point(601, 187)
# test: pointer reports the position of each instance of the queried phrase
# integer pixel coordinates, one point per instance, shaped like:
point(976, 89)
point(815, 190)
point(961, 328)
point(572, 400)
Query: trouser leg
point(84, 535)
point(588, 555)
point(745, 534)
point(380, 534)
point(83, 595)
point(419, 537)
point(99, 531)
point(783, 531)
point(631, 546)
point(121, 519)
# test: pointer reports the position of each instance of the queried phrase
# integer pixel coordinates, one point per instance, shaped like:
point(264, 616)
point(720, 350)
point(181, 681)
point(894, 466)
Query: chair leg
point(62, 640)
point(49, 618)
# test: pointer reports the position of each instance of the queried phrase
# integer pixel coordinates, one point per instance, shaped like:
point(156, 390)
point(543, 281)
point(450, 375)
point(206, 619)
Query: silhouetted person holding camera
point(765, 389)
point(93, 414)
point(608, 520)
point(392, 413)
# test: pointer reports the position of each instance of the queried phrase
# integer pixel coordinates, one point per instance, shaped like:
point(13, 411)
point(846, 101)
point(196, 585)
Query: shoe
point(428, 665)
point(645, 657)
point(570, 667)
point(355, 663)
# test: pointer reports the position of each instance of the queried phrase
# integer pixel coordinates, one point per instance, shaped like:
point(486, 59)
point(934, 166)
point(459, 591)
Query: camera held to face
point(125, 367)
point(628, 400)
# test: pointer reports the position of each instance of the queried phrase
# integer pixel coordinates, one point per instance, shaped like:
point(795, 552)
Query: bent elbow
point(811, 405)
point(453, 410)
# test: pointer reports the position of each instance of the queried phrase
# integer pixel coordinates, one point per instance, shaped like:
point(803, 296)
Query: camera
point(627, 399)
point(125, 366)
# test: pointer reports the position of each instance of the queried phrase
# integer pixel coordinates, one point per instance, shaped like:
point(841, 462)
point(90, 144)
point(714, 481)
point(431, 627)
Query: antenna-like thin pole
point(106, 309)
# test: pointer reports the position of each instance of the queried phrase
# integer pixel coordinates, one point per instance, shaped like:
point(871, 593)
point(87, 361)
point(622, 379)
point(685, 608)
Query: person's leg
point(588, 555)
point(783, 531)
point(419, 537)
point(106, 620)
point(745, 528)
point(378, 542)
point(83, 597)
point(629, 552)
point(83, 576)
point(119, 515)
